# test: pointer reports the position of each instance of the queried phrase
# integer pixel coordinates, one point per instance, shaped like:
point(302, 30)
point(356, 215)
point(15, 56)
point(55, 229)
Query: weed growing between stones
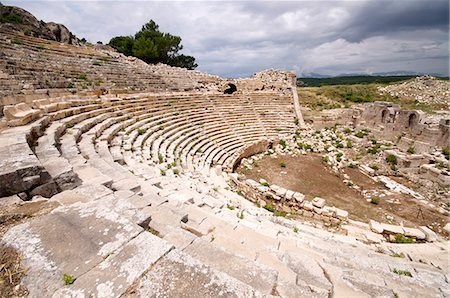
point(67, 279)
point(402, 272)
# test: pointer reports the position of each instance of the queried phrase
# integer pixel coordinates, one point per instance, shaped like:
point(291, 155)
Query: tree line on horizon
point(153, 46)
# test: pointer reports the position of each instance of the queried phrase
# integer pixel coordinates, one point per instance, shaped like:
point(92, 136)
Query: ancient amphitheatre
point(124, 179)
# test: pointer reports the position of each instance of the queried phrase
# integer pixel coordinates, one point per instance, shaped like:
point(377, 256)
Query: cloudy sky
point(237, 38)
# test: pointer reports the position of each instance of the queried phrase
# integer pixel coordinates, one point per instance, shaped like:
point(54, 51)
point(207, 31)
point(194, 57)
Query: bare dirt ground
point(11, 272)
point(309, 175)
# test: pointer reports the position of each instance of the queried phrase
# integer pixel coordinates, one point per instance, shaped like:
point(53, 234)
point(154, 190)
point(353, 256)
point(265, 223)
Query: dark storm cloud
point(384, 17)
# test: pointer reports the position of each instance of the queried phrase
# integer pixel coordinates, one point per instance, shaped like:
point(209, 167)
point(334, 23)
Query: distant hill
point(350, 80)
point(353, 79)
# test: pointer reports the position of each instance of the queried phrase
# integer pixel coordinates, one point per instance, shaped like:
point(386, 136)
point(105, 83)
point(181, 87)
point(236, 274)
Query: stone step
point(259, 277)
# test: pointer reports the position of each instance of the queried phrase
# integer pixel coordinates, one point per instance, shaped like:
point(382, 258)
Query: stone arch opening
point(231, 88)
point(412, 119)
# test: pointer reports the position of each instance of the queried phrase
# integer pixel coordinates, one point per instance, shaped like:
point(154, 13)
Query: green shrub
point(96, 63)
point(446, 152)
point(160, 158)
point(229, 206)
point(282, 143)
point(375, 200)
point(141, 131)
point(374, 149)
point(282, 164)
point(269, 207)
point(277, 129)
point(82, 77)
point(296, 121)
point(349, 143)
point(265, 184)
point(279, 213)
point(400, 238)
point(176, 171)
point(392, 159)
point(240, 215)
point(411, 150)
point(69, 85)
point(162, 172)
point(402, 272)
point(347, 130)
point(67, 279)
point(339, 145)
point(361, 134)
point(11, 18)
point(374, 167)
point(295, 230)
point(69, 124)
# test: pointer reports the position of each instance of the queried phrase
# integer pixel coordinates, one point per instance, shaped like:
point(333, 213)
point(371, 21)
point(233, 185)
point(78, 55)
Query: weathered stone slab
point(416, 233)
point(309, 273)
point(93, 191)
point(179, 275)
point(318, 202)
point(126, 184)
point(70, 240)
point(376, 226)
point(11, 200)
point(299, 197)
point(113, 276)
point(20, 170)
point(258, 276)
point(69, 197)
point(341, 214)
point(392, 229)
point(430, 235)
point(62, 173)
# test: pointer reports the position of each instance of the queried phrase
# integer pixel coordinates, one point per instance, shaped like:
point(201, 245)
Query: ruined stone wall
point(389, 122)
point(258, 147)
point(392, 123)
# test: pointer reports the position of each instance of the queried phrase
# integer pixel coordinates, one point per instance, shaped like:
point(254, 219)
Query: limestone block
point(317, 210)
point(341, 214)
point(376, 226)
point(318, 202)
point(307, 205)
point(430, 235)
point(281, 192)
point(289, 194)
point(392, 229)
point(11, 200)
point(252, 183)
point(416, 233)
point(372, 237)
point(328, 211)
point(262, 189)
point(299, 197)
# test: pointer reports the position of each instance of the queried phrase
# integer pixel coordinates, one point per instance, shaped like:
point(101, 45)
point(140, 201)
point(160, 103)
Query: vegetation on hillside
point(153, 46)
point(350, 80)
point(344, 96)
point(11, 18)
